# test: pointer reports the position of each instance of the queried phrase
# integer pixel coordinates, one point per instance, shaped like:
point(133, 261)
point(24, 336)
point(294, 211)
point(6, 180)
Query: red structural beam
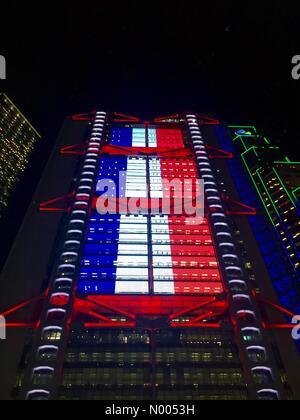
point(125, 118)
point(193, 308)
point(165, 119)
point(121, 205)
point(57, 205)
point(19, 325)
point(87, 307)
point(75, 149)
point(90, 116)
point(279, 308)
point(114, 205)
point(215, 153)
point(22, 305)
point(98, 316)
point(206, 315)
point(273, 305)
point(107, 321)
point(146, 305)
point(279, 326)
point(235, 208)
point(147, 151)
point(199, 320)
point(88, 301)
point(17, 308)
point(205, 120)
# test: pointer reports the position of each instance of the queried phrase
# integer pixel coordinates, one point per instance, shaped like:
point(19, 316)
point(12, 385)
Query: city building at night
point(150, 302)
point(17, 141)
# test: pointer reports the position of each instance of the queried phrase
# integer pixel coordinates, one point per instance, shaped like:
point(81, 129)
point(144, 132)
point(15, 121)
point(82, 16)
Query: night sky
point(228, 58)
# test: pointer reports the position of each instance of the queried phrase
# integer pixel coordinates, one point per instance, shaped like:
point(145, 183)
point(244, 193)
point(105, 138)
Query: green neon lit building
point(277, 182)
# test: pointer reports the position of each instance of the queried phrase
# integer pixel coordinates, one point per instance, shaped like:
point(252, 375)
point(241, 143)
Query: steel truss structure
point(184, 277)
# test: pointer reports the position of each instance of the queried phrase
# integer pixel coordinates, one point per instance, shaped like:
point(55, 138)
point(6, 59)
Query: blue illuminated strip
point(112, 169)
point(98, 272)
point(121, 136)
point(127, 177)
point(115, 257)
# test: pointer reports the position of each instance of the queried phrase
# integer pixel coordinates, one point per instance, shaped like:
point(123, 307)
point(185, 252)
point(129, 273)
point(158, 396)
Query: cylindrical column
point(46, 360)
point(255, 352)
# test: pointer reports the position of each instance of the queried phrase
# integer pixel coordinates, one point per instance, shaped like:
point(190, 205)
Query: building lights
point(150, 303)
point(17, 142)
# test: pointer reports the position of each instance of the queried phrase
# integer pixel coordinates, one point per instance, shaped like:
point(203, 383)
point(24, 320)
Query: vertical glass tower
point(17, 141)
point(149, 302)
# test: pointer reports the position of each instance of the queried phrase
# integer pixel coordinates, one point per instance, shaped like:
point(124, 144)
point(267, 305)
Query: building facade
point(274, 182)
point(17, 141)
point(149, 301)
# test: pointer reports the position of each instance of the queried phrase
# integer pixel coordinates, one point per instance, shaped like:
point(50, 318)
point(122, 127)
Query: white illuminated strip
point(133, 219)
point(138, 137)
point(163, 274)
point(164, 288)
point(133, 238)
point(133, 249)
point(132, 287)
point(136, 179)
point(156, 183)
point(132, 263)
point(130, 228)
point(132, 273)
point(133, 232)
point(161, 249)
point(133, 260)
point(165, 262)
point(152, 137)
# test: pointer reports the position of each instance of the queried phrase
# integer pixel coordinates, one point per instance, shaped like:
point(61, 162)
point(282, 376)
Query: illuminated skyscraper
point(276, 182)
point(148, 303)
point(17, 141)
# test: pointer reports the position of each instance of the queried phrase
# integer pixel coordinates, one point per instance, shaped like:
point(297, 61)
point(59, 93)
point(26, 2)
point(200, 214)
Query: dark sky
point(232, 58)
point(229, 58)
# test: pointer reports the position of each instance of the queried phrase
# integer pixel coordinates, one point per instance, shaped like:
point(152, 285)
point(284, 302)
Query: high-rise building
point(149, 302)
point(275, 180)
point(17, 141)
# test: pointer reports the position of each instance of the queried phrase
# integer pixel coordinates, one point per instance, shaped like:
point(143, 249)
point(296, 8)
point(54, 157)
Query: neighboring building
point(17, 141)
point(276, 180)
point(152, 305)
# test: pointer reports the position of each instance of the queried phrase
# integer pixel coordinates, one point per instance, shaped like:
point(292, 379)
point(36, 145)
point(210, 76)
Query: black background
point(229, 58)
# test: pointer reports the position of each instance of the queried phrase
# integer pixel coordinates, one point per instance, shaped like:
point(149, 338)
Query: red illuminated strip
point(169, 138)
point(178, 168)
point(195, 266)
point(187, 274)
point(193, 250)
point(192, 262)
point(198, 288)
point(194, 274)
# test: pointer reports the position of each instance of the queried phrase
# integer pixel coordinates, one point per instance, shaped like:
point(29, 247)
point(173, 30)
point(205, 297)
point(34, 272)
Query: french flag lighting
point(147, 254)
